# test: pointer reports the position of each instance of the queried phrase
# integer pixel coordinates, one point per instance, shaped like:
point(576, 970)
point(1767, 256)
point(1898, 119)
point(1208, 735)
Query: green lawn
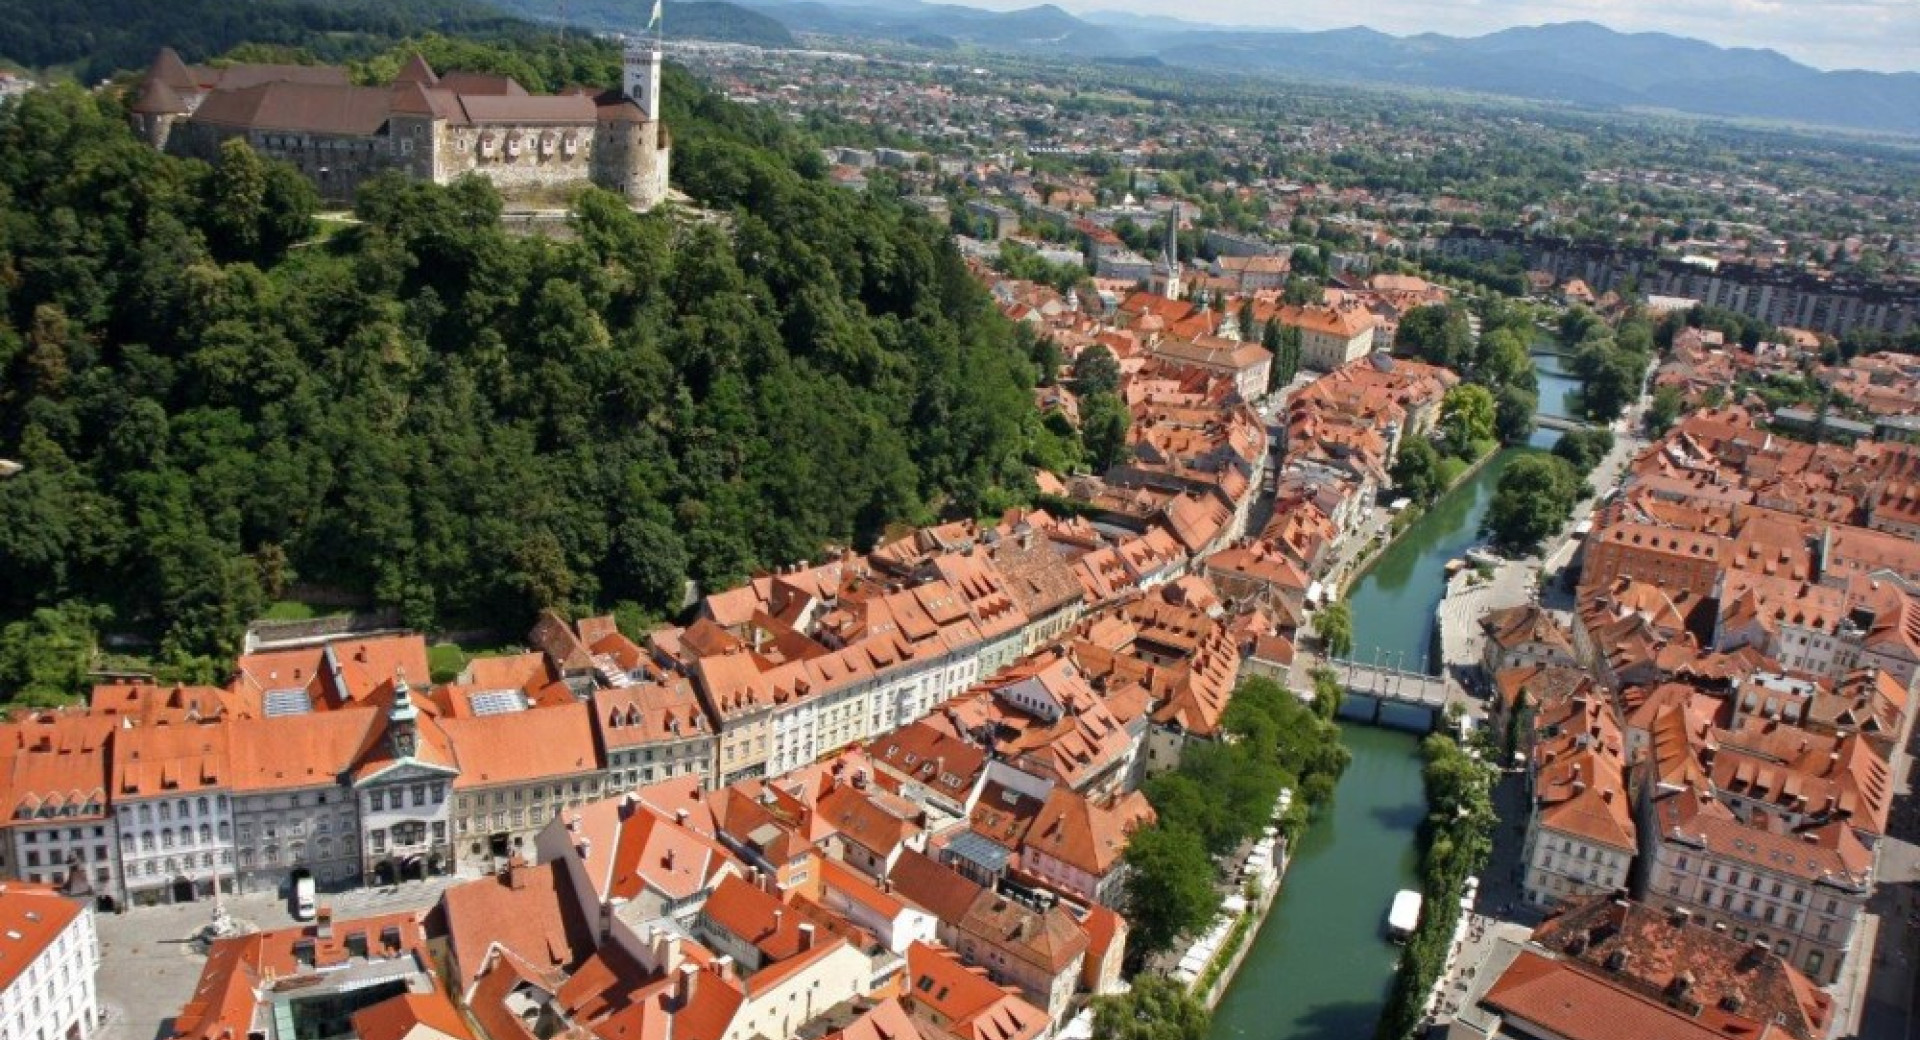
point(447, 661)
point(288, 610)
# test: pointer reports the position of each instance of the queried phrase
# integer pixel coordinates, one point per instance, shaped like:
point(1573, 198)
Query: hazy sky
point(1828, 34)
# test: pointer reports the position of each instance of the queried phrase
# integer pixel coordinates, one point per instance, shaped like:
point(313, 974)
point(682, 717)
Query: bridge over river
point(1372, 689)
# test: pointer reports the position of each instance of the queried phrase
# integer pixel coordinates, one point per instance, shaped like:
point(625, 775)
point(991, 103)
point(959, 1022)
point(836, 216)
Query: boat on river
point(1404, 915)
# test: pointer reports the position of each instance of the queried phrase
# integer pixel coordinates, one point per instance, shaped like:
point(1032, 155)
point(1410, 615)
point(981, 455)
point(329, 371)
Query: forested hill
point(212, 407)
point(95, 38)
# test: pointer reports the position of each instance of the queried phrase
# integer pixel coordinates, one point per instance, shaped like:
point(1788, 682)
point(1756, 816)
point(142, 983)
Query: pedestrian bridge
point(1387, 696)
point(1561, 423)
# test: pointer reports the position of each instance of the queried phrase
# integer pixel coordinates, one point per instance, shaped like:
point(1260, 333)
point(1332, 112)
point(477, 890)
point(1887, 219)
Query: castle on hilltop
point(425, 125)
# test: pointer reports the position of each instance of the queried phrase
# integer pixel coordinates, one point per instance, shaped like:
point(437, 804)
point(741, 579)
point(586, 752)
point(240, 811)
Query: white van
point(303, 904)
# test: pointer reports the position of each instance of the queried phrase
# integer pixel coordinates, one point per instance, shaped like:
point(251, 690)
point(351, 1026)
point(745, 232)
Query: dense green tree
point(1668, 402)
point(424, 412)
point(1584, 448)
point(46, 656)
point(1437, 334)
point(1611, 378)
point(1468, 419)
point(1152, 1008)
point(1515, 409)
point(1334, 625)
point(650, 563)
point(1095, 371)
point(1535, 496)
point(1416, 470)
point(1504, 363)
point(1169, 887)
point(1104, 422)
point(1328, 692)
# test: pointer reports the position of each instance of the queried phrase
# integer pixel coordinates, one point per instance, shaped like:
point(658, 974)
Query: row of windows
point(521, 795)
point(381, 798)
point(269, 855)
point(173, 865)
point(166, 837)
point(201, 806)
point(55, 858)
point(73, 834)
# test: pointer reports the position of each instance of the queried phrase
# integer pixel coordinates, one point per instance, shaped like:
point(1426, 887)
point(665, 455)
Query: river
point(1320, 967)
point(1559, 387)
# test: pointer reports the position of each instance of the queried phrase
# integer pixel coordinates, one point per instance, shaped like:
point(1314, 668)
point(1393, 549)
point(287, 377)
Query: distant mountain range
point(693, 19)
point(1577, 63)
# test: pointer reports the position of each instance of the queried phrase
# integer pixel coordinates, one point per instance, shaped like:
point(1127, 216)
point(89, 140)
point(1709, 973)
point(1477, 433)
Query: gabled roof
point(1084, 834)
point(1556, 996)
point(1644, 950)
point(940, 889)
point(886, 1020)
point(416, 70)
point(964, 1001)
point(296, 751)
point(529, 910)
point(411, 1016)
point(515, 748)
point(865, 821)
point(299, 107)
point(31, 918)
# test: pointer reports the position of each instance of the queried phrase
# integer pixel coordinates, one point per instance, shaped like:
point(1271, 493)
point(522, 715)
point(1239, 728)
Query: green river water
point(1321, 966)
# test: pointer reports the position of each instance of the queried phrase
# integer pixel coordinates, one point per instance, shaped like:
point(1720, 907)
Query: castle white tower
point(642, 75)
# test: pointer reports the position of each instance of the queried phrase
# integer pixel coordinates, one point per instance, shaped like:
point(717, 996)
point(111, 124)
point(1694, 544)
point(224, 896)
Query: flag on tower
point(659, 9)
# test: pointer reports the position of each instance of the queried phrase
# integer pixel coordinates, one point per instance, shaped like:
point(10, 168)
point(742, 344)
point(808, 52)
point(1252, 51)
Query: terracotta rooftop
point(1656, 954)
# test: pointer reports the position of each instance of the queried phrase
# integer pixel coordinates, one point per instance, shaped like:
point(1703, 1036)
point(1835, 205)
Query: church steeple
point(1170, 255)
point(403, 719)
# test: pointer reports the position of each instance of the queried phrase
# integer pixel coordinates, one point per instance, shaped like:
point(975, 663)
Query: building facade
point(170, 800)
point(47, 972)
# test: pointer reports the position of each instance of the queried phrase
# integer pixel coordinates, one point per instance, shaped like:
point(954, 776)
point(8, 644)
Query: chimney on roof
point(323, 923)
point(584, 848)
point(806, 937)
point(684, 985)
point(680, 815)
point(1681, 917)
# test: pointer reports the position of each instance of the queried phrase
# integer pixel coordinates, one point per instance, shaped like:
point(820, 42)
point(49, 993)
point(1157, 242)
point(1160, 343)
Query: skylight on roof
point(281, 703)
point(498, 702)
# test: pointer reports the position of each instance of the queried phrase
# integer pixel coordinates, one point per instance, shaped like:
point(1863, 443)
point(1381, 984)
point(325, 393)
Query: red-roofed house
point(948, 999)
point(1076, 844)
